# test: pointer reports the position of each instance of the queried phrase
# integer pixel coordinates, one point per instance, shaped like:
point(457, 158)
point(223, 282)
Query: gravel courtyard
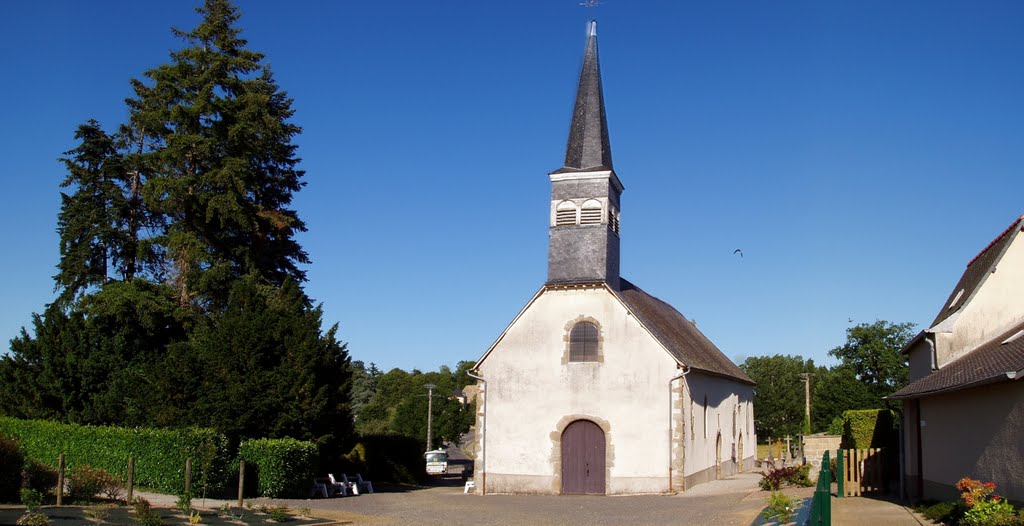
point(735, 500)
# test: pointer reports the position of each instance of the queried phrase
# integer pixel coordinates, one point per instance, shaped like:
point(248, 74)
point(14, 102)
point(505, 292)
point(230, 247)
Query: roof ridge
point(997, 239)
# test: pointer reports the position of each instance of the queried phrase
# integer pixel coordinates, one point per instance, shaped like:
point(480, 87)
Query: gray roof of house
point(977, 269)
point(588, 148)
point(985, 365)
point(678, 335)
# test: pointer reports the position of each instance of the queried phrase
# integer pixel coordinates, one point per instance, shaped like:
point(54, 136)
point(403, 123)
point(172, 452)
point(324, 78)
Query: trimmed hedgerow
point(159, 453)
point(866, 428)
point(283, 467)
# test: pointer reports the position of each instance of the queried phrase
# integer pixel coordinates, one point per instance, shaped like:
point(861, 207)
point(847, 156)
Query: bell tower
point(583, 240)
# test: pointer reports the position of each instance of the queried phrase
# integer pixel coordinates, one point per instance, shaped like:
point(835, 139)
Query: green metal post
point(840, 478)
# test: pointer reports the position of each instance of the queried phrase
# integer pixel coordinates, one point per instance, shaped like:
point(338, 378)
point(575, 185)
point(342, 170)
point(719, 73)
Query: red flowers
point(974, 491)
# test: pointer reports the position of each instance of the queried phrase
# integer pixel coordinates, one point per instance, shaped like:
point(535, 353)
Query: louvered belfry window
point(565, 213)
point(591, 213)
point(583, 342)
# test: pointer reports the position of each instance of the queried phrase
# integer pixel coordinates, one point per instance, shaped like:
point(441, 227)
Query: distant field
point(762, 450)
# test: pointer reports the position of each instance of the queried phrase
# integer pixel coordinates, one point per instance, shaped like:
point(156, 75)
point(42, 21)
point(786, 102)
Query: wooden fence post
point(131, 478)
point(188, 476)
point(241, 481)
point(60, 479)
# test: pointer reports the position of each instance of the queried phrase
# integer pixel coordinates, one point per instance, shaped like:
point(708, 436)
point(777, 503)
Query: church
point(597, 387)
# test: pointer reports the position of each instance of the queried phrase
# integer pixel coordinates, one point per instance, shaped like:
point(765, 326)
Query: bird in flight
point(590, 3)
point(738, 251)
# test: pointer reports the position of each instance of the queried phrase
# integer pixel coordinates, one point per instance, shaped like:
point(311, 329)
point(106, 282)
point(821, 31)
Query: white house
point(596, 386)
point(964, 406)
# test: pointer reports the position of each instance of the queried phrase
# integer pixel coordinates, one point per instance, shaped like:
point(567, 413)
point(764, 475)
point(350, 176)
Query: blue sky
point(859, 153)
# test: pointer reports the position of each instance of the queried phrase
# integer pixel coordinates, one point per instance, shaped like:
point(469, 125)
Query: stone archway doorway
point(739, 451)
point(583, 458)
point(718, 457)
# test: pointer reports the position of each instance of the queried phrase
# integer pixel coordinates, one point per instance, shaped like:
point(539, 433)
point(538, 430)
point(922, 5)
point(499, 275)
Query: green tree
point(399, 405)
point(91, 224)
point(181, 299)
point(85, 364)
point(837, 389)
point(778, 394)
point(872, 352)
point(214, 130)
point(259, 368)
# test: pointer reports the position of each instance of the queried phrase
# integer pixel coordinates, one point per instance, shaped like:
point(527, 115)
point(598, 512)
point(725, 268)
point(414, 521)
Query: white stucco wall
point(532, 392)
point(725, 398)
point(995, 307)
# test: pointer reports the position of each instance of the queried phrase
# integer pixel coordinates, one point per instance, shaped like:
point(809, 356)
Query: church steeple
point(588, 147)
point(583, 242)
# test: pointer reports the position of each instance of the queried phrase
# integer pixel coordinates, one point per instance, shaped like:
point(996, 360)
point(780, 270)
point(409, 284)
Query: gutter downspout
point(685, 372)
point(934, 355)
point(483, 438)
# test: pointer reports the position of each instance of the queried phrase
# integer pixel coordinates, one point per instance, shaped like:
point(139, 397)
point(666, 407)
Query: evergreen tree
point(88, 363)
point(181, 299)
point(259, 368)
point(215, 127)
point(91, 224)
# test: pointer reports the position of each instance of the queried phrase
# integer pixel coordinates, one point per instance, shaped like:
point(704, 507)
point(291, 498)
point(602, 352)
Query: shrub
point(159, 453)
point(774, 478)
point(38, 476)
point(940, 512)
point(11, 460)
point(33, 518)
point(283, 467)
point(144, 514)
point(780, 508)
point(185, 503)
point(98, 512)
point(85, 482)
point(31, 498)
point(279, 513)
point(390, 458)
point(995, 512)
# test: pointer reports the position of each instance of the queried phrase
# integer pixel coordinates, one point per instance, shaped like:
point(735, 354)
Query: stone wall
point(815, 446)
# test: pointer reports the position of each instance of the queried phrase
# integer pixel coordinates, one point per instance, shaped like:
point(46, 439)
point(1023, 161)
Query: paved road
point(735, 500)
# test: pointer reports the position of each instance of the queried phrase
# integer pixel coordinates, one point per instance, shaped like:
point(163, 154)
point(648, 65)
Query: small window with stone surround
point(583, 341)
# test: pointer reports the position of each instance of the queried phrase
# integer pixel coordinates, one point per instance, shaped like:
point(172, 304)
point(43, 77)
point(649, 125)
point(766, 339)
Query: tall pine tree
point(181, 288)
point(215, 127)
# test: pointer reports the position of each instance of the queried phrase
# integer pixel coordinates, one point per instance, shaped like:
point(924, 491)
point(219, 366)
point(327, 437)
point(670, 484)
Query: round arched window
point(583, 342)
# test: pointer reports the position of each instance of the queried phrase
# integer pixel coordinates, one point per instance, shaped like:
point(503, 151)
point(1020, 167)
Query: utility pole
point(430, 414)
point(807, 398)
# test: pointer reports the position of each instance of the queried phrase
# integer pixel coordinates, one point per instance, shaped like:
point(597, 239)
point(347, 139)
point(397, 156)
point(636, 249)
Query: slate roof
point(588, 148)
point(687, 345)
point(985, 365)
point(977, 269)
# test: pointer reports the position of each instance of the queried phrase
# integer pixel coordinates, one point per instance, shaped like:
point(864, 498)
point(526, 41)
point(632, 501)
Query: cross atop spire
point(588, 148)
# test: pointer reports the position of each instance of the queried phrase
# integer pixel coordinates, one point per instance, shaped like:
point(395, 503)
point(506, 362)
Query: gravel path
point(735, 500)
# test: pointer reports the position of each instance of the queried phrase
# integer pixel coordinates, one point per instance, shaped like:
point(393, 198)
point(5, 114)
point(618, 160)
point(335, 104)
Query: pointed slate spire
point(588, 147)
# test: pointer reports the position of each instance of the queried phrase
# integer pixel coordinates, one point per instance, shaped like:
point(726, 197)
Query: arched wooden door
point(583, 450)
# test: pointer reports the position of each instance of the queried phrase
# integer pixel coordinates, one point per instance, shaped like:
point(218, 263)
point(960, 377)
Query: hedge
point(283, 467)
point(11, 462)
point(865, 428)
point(159, 453)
